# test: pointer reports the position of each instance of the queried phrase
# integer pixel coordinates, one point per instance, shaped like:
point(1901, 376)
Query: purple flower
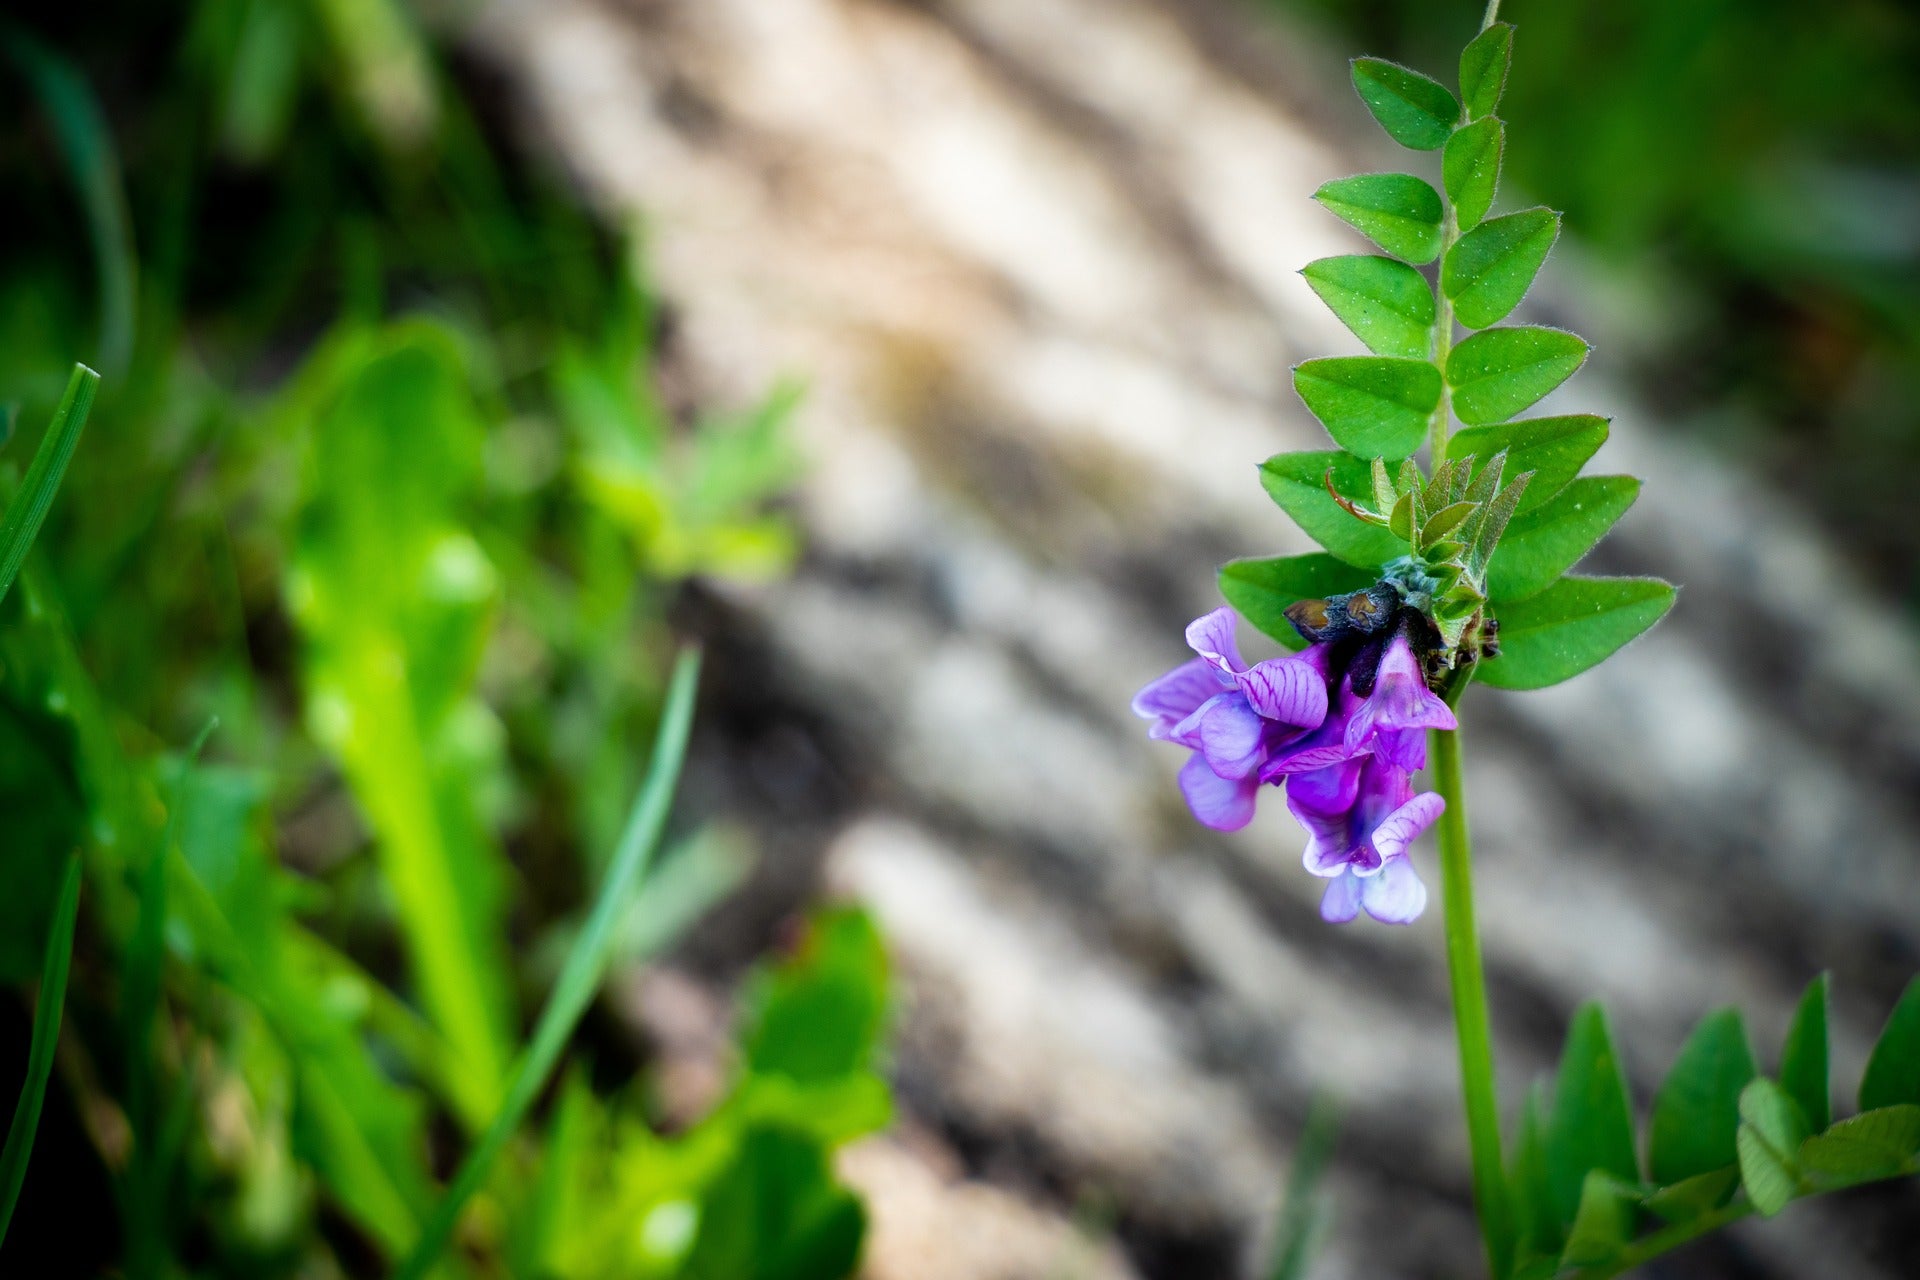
point(1231, 716)
point(1361, 817)
point(1393, 719)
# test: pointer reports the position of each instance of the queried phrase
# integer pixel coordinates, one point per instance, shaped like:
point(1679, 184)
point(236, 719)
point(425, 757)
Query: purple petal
point(1232, 736)
point(1402, 748)
point(1401, 699)
point(1324, 746)
point(1212, 638)
point(1176, 695)
point(1330, 790)
point(1288, 690)
point(1329, 841)
point(1404, 825)
point(1341, 902)
point(1395, 896)
point(1221, 803)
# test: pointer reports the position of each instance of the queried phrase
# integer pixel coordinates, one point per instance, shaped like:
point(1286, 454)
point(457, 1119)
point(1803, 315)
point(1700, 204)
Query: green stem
point(1664, 1241)
point(1472, 1024)
point(1492, 14)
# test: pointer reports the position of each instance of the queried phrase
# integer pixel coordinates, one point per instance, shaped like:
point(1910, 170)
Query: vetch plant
point(1441, 575)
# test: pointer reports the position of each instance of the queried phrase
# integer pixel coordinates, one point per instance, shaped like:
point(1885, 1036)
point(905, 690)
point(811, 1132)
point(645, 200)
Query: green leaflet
point(1871, 1146)
point(1470, 171)
point(1604, 1223)
point(1499, 372)
point(1591, 1124)
point(1489, 270)
point(1483, 69)
point(1697, 1111)
point(1543, 544)
point(1571, 626)
point(1261, 589)
point(28, 509)
point(1538, 1229)
point(1417, 111)
point(1893, 1071)
point(1397, 211)
point(1296, 483)
point(1553, 449)
point(1372, 406)
point(1771, 1131)
point(47, 1011)
point(1803, 1059)
point(1388, 305)
point(1691, 1197)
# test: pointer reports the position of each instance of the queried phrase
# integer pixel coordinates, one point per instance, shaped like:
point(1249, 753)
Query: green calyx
point(1452, 522)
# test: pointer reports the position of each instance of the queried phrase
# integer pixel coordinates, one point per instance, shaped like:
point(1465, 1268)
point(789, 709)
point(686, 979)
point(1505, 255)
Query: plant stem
point(1672, 1238)
point(1472, 1024)
point(1492, 14)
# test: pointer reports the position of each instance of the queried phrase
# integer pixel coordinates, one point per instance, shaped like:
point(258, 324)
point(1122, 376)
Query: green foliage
point(447, 523)
point(1416, 111)
point(1497, 373)
point(1261, 589)
point(1575, 624)
point(1590, 1127)
point(1470, 172)
point(1372, 406)
point(1387, 304)
point(1298, 482)
point(1551, 450)
point(1893, 1072)
point(1396, 211)
point(1723, 1142)
point(1483, 69)
point(1803, 1059)
point(27, 510)
point(1544, 543)
point(46, 1037)
point(1480, 545)
point(1490, 270)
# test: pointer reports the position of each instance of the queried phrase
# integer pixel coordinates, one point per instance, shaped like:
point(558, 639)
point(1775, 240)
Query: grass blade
point(28, 510)
point(586, 963)
point(46, 1035)
point(1303, 1216)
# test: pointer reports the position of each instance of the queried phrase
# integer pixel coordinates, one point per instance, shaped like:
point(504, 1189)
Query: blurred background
point(916, 356)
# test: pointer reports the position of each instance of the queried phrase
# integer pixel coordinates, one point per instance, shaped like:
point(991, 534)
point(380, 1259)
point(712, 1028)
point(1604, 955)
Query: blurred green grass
point(380, 477)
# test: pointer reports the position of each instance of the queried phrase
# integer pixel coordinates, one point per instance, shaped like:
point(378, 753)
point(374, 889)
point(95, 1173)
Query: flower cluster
point(1342, 726)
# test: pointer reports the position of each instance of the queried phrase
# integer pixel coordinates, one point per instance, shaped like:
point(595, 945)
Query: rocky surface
point(1036, 261)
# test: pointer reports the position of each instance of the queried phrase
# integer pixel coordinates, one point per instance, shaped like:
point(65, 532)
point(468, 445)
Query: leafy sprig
point(1721, 1142)
point(1483, 538)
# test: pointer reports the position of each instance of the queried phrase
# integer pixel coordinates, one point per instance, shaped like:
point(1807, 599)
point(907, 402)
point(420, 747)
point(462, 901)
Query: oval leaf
point(1396, 211)
point(1575, 624)
point(1295, 482)
point(1261, 589)
point(1591, 1127)
point(1697, 1111)
point(1771, 1131)
point(1540, 546)
point(1553, 449)
point(1803, 1059)
point(1416, 111)
point(1498, 373)
point(1893, 1070)
point(1483, 69)
point(1492, 267)
point(1470, 170)
point(1388, 305)
point(1372, 406)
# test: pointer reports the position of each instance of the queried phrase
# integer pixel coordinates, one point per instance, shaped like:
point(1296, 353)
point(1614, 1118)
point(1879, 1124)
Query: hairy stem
point(1492, 14)
point(1472, 1024)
